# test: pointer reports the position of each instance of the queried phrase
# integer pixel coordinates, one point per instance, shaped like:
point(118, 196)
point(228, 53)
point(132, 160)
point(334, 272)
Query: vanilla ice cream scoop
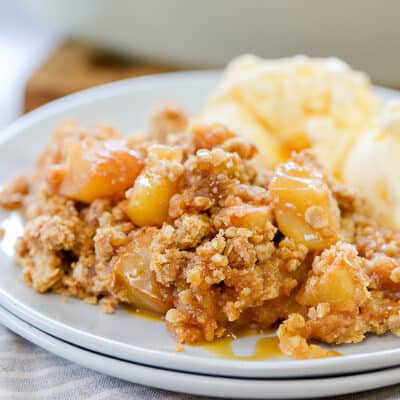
point(373, 166)
point(295, 103)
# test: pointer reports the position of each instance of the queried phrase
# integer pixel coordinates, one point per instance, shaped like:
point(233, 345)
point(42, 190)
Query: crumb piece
point(168, 119)
point(108, 304)
point(179, 348)
point(90, 300)
point(13, 194)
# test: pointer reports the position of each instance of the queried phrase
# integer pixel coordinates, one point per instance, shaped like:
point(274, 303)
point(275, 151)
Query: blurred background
point(50, 48)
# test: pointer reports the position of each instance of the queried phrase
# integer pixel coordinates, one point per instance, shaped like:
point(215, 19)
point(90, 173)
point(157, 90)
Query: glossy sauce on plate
point(265, 347)
point(150, 316)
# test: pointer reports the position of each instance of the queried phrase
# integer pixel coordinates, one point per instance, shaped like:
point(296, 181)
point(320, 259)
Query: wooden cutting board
point(75, 66)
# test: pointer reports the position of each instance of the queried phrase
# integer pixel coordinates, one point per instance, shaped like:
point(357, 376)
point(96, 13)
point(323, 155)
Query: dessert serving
point(237, 217)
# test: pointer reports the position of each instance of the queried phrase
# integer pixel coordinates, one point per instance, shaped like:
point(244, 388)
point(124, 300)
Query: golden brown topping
point(210, 136)
point(12, 195)
point(168, 119)
point(244, 216)
point(293, 335)
point(337, 278)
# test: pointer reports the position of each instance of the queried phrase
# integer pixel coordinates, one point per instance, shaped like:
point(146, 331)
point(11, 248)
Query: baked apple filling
point(185, 222)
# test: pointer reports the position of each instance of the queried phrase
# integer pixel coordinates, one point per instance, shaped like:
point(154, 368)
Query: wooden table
point(75, 66)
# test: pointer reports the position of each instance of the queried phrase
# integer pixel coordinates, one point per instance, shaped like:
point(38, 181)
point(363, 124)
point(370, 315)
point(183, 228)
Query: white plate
point(203, 384)
point(127, 105)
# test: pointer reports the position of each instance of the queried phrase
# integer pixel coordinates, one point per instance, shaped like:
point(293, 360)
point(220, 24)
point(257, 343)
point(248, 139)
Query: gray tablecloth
point(29, 373)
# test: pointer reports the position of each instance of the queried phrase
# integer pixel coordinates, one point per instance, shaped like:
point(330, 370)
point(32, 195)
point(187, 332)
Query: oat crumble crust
point(219, 261)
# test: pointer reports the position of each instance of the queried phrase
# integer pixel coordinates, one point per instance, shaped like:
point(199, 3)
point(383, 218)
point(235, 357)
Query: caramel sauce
point(150, 316)
point(265, 347)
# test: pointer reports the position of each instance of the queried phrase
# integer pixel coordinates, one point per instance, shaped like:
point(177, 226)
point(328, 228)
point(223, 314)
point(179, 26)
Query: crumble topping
point(198, 231)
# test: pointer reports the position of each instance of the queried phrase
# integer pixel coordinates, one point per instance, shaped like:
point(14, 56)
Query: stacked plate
point(141, 350)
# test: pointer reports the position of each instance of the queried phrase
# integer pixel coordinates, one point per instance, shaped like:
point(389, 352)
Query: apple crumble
point(186, 223)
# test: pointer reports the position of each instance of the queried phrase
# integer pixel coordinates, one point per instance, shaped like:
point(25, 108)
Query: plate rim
point(156, 357)
point(205, 385)
point(98, 92)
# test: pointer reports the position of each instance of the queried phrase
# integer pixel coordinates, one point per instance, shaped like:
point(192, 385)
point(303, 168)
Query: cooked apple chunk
point(305, 209)
point(96, 169)
point(148, 200)
point(132, 272)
